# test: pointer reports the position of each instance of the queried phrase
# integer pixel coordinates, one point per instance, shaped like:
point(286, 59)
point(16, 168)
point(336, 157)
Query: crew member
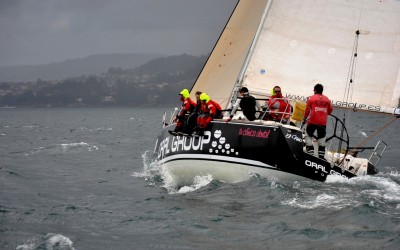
point(210, 110)
point(248, 104)
point(188, 105)
point(191, 121)
point(279, 108)
point(316, 115)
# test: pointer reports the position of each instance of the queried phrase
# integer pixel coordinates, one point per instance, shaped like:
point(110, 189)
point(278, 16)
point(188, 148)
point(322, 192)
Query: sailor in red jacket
point(188, 105)
point(279, 107)
point(209, 110)
point(317, 111)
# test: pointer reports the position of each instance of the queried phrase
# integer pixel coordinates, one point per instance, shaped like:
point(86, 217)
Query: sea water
point(86, 178)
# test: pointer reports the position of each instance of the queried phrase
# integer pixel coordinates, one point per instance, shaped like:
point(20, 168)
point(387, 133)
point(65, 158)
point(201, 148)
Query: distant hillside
point(90, 65)
point(156, 82)
point(177, 67)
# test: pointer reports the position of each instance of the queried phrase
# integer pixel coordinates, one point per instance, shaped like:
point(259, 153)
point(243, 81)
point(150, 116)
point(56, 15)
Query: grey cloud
point(53, 30)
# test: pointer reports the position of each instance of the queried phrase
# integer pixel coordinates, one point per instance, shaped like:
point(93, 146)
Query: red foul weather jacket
point(318, 108)
point(187, 107)
point(210, 111)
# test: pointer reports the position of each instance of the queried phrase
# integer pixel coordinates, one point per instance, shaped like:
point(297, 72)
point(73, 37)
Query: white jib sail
point(224, 64)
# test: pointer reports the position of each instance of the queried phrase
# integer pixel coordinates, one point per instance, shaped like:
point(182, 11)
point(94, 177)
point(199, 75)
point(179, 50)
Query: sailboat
point(351, 47)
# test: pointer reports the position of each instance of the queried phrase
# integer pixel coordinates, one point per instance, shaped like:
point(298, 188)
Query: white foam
point(69, 146)
point(321, 201)
point(385, 188)
point(275, 183)
point(51, 241)
point(30, 126)
point(58, 241)
point(26, 246)
point(363, 134)
point(151, 166)
point(198, 182)
point(379, 187)
point(296, 184)
point(338, 179)
point(36, 150)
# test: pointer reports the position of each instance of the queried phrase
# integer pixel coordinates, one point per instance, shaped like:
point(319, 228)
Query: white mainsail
point(302, 43)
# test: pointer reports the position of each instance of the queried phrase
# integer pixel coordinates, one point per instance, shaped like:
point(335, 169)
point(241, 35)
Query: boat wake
point(380, 192)
point(198, 182)
point(155, 173)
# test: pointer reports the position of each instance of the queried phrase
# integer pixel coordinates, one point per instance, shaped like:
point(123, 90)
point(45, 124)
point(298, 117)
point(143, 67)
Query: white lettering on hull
point(315, 165)
point(182, 143)
point(322, 168)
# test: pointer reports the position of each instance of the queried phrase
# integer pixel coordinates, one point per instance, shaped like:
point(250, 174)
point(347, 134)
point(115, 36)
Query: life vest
point(203, 120)
point(279, 109)
point(188, 106)
point(212, 108)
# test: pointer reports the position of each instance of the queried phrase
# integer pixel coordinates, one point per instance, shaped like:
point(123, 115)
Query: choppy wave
point(198, 182)
point(77, 145)
point(102, 207)
point(96, 130)
point(151, 166)
point(155, 173)
point(65, 147)
point(30, 126)
point(48, 242)
point(381, 191)
point(363, 134)
point(321, 201)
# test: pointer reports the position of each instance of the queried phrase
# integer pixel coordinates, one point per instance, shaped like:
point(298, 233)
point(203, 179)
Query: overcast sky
point(45, 31)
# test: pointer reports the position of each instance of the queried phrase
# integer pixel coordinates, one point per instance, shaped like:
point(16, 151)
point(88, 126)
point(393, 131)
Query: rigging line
point(350, 80)
point(375, 133)
point(353, 59)
point(353, 64)
point(354, 70)
point(351, 71)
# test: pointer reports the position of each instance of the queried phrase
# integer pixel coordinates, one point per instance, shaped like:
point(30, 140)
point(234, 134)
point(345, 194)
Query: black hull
point(270, 146)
